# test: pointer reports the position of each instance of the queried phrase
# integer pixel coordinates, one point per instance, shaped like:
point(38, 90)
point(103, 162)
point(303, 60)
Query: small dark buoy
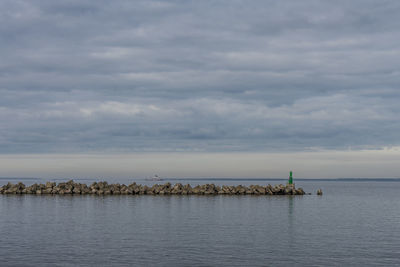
point(319, 192)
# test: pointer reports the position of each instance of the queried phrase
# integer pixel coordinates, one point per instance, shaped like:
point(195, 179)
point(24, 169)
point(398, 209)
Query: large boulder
point(50, 184)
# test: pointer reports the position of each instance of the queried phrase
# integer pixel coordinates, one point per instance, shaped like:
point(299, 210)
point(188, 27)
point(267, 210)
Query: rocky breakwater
point(103, 188)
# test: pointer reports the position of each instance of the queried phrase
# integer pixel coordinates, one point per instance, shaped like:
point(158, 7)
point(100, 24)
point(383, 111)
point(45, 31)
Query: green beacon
point(291, 178)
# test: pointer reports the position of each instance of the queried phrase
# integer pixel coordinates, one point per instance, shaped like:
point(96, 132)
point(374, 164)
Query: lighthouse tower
point(291, 178)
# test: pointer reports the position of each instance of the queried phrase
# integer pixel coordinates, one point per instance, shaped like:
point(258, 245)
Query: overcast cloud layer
point(127, 76)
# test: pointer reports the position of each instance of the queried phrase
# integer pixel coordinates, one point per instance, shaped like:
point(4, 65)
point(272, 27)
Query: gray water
point(352, 224)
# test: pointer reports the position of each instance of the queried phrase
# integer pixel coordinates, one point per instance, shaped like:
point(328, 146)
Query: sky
point(232, 88)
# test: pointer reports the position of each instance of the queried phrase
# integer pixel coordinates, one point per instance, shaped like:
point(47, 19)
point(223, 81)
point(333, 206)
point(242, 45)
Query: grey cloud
point(78, 76)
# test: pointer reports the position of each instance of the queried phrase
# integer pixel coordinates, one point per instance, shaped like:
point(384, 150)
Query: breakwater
point(103, 188)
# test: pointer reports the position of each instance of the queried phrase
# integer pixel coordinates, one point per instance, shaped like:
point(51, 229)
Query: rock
point(48, 191)
point(196, 190)
point(50, 185)
point(76, 190)
point(188, 188)
point(177, 189)
point(241, 190)
point(94, 186)
point(288, 190)
point(102, 185)
point(225, 189)
point(136, 189)
point(145, 189)
point(125, 192)
point(300, 191)
point(262, 190)
point(85, 190)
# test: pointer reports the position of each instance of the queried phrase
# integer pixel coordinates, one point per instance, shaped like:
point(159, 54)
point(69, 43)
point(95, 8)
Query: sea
point(356, 222)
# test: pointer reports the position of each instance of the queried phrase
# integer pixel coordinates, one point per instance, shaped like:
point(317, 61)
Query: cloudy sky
point(218, 78)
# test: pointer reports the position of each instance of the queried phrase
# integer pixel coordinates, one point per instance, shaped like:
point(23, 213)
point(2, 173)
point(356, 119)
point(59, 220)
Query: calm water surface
point(352, 224)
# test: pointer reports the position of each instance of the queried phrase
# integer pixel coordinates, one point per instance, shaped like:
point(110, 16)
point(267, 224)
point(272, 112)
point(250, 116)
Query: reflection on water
point(290, 200)
point(350, 224)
